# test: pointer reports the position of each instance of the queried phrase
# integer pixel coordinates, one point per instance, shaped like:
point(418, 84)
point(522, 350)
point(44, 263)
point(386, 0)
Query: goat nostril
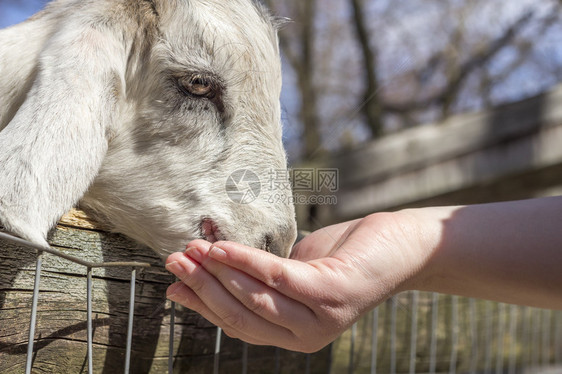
point(267, 243)
point(279, 242)
point(210, 231)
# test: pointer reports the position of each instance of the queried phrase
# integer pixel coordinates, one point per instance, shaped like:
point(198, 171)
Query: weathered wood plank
point(456, 136)
point(61, 328)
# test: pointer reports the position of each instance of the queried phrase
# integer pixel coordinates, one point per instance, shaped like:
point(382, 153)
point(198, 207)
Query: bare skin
point(510, 252)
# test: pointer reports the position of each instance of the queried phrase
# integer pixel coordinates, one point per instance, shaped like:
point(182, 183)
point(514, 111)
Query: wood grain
point(61, 329)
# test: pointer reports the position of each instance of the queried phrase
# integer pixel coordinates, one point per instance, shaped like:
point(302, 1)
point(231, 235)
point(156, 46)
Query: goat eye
point(198, 85)
point(201, 86)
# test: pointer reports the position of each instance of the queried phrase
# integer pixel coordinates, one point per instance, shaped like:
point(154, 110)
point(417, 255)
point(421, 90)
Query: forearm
point(507, 252)
point(510, 252)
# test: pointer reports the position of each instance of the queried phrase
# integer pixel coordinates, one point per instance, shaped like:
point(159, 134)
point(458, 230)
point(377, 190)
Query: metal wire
point(473, 336)
point(525, 336)
point(245, 358)
point(433, 343)
point(33, 319)
point(216, 360)
point(501, 333)
point(488, 334)
point(535, 321)
point(130, 322)
point(350, 366)
point(89, 321)
point(374, 341)
point(414, 331)
point(89, 288)
point(558, 339)
point(454, 334)
point(87, 264)
point(513, 335)
point(394, 309)
point(546, 337)
point(171, 343)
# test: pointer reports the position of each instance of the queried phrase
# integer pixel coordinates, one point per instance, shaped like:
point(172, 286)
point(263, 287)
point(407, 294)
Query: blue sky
point(12, 12)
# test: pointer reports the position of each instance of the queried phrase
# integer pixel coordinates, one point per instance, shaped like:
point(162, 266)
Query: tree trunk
point(372, 106)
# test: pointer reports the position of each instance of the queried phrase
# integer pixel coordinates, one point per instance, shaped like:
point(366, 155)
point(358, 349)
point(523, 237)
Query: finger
point(314, 284)
point(255, 295)
point(283, 275)
point(232, 313)
point(183, 295)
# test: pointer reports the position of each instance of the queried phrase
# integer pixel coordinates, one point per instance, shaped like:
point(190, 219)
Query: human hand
point(303, 303)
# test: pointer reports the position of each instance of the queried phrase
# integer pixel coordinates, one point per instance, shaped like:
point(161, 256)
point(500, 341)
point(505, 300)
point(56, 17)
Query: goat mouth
point(210, 231)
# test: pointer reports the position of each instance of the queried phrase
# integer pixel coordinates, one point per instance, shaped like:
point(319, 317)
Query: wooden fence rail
point(61, 332)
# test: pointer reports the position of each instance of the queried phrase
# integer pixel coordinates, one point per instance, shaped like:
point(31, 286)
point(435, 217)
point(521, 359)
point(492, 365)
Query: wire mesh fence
point(430, 333)
point(411, 333)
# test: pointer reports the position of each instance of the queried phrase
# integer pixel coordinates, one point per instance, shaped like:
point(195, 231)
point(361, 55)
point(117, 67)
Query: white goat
point(139, 110)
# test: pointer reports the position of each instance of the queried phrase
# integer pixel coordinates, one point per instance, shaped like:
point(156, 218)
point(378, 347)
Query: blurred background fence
point(431, 333)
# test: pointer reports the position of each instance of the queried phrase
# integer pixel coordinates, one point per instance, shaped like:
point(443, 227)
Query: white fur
point(91, 113)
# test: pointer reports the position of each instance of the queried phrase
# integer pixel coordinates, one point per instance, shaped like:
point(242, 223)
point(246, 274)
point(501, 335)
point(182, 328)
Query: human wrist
point(427, 228)
point(402, 244)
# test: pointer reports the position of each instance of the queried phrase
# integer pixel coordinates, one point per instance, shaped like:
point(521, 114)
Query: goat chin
point(140, 111)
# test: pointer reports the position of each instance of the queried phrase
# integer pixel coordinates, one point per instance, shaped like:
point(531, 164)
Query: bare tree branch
point(373, 108)
point(302, 60)
point(457, 78)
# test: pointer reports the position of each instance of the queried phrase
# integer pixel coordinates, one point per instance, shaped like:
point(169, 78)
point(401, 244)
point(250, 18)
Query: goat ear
point(52, 149)
point(281, 22)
